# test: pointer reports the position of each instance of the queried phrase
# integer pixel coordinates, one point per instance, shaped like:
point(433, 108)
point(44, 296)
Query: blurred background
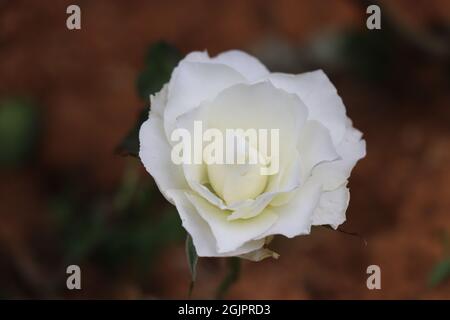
point(68, 195)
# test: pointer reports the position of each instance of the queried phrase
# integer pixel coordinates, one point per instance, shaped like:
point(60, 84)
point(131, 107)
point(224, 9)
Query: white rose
point(229, 213)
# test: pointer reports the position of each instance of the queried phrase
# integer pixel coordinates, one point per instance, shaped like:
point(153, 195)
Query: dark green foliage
point(440, 273)
point(19, 128)
point(234, 270)
point(192, 259)
point(369, 55)
point(127, 230)
point(161, 59)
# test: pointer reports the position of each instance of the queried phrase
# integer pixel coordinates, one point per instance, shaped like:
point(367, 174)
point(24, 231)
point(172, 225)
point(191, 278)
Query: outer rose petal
point(231, 235)
point(315, 146)
point(154, 152)
point(204, 241)
point(319, 95)
point(245, 209)
point(289, 175)
point(250, 67)
point(295, 217)
point(257, 106)
point(351, 149)
point(260, 254)
point(332, 207)
point(247, 65)
point(192, 83)
point(158, 101)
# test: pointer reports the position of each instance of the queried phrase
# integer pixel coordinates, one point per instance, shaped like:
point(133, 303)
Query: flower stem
point(234, 269)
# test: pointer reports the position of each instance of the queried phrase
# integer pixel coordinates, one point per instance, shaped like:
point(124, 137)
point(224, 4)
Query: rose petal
point(230, 235)
point(335, 173)
point(315, 146)
point(203, 239)
point(257, 106)
point(260, 106)
point(319, 95)
point(154, 152)
point(250, 67)
point(289, 176)
point(332, 207)
point(208, 195)
point(252, 107)
point(260, 254)
point(294, 218)
point(253, 209)
point(158, 101)
point(192, 83)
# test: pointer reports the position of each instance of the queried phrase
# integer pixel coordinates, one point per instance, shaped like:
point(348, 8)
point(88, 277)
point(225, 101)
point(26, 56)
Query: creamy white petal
point(289, 176)
point(230, 235)
point(260, 106)
point(283, 198)
point(257, 106)
point(193, 171)
point(197, 56)
point(332, 207)
point(154, 152)
point(197, 176)
point(244, 210)
point(257, 206)
point(202, 237)
point(295, 217)
point(319, 95)
point(192, 83)
point(250, 67)
point(335, 173)
point(315, 146)
point(260, 254)
point(207, 194)
point(158, 101)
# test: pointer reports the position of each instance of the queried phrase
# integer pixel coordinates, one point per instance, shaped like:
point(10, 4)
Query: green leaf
point(161, 59)
point(440, 273)
point(234, 270)
point(192, 258)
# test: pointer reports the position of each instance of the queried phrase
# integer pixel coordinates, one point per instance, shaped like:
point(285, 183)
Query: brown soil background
point(85, 81)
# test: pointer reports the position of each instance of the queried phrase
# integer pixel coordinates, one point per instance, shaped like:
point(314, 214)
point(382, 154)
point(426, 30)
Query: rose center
point(238, 182)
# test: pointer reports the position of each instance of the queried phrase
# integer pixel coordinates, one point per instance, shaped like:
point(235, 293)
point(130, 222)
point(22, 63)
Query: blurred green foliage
point(115, 232)
point(368, 55)
point(160, 60)
point(441, 271)
point(192, 258)
point(19, 128)
point(131, 226)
